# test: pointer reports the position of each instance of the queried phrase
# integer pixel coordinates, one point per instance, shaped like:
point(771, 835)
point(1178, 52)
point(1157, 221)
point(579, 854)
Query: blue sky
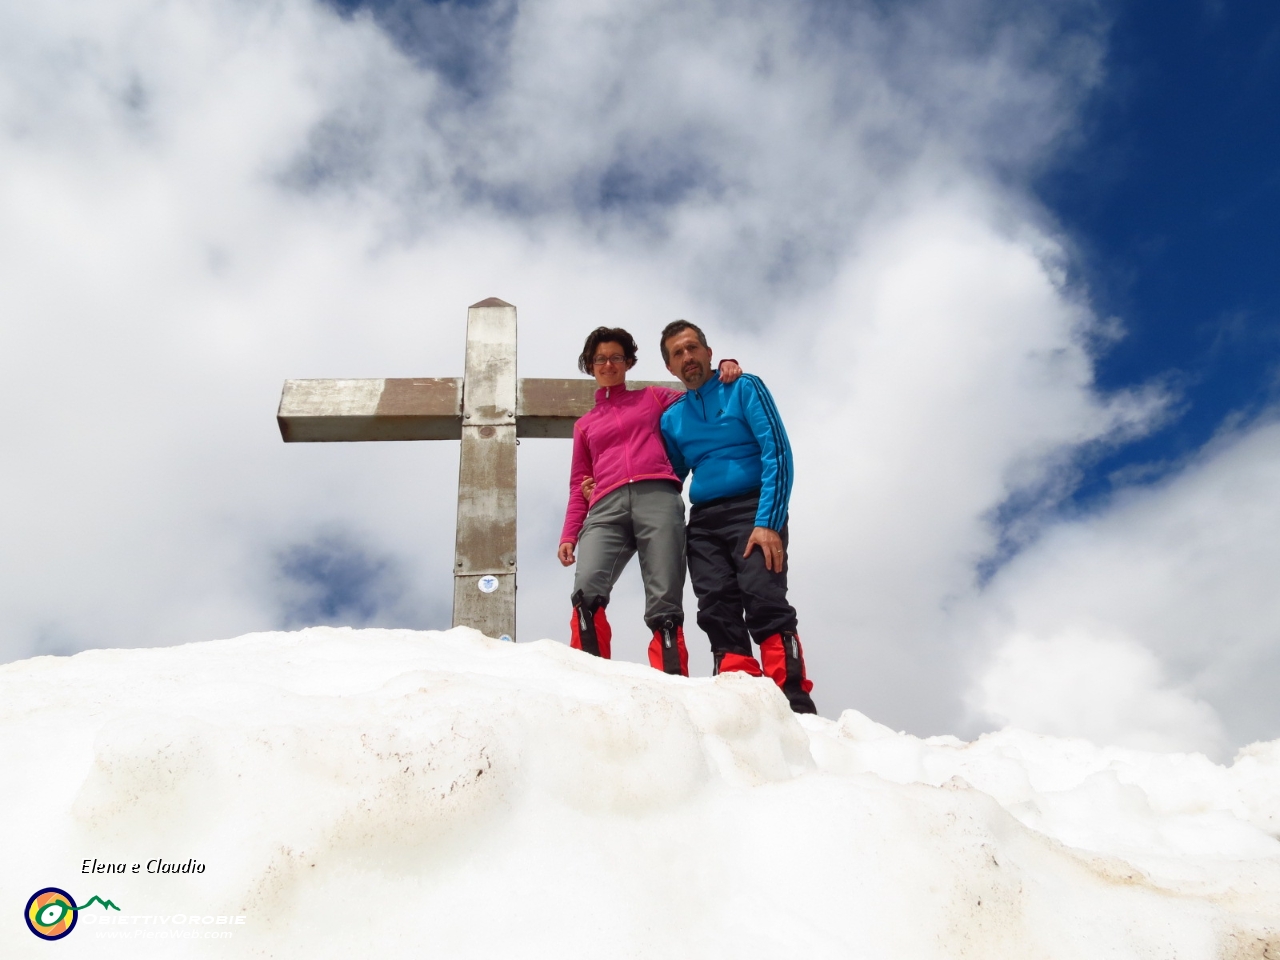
point(1172, 197)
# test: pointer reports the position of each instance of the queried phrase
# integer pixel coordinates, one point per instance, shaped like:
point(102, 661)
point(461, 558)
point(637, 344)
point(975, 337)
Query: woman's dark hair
point(607, 335)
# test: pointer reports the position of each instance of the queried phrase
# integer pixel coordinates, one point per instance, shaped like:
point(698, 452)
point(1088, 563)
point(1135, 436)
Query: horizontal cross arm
point(317, 411)
point(314, 411)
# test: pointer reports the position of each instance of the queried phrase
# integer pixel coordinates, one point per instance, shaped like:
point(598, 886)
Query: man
point(732, 438)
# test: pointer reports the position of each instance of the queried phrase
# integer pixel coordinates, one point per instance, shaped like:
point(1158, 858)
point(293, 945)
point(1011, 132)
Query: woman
point(635, 505)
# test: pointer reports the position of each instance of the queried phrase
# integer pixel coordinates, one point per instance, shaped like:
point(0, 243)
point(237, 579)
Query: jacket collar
point(713, 382)
point(605, 393)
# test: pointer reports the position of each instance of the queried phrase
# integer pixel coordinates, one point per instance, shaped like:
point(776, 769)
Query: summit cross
point(487, 408)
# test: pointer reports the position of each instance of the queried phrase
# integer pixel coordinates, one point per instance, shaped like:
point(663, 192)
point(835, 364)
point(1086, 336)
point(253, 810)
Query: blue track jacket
point(732, 438)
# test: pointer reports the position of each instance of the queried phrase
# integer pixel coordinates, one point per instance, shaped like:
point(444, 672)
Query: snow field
point(421, 794)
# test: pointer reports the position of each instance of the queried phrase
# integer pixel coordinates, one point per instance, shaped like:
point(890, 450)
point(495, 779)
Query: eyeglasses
point(617, 360)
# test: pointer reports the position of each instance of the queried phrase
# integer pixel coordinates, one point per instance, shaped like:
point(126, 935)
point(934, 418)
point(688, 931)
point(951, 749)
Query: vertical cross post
point(484, 569)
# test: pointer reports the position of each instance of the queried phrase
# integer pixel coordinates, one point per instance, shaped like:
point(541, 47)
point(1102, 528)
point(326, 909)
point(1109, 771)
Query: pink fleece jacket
point(617, 442)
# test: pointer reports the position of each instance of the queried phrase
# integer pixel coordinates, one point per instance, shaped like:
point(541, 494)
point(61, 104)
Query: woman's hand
point(588, 488)
point(566, 554)
point(729, 371)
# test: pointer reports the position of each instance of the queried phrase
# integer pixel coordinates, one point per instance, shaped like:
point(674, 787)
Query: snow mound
point(387, 793)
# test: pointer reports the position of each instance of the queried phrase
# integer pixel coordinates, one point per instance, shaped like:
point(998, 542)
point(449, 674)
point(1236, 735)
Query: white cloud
point(951, 378)
point(1185, 569)
point(1109, 690)
point(198, 201)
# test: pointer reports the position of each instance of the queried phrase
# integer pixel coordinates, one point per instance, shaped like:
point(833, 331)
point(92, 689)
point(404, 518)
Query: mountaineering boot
point(667, 650)
point(589, 627)
point(783, 661)
point(727, 662)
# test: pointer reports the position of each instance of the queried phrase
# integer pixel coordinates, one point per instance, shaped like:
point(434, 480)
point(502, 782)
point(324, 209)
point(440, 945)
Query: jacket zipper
point(626, 452)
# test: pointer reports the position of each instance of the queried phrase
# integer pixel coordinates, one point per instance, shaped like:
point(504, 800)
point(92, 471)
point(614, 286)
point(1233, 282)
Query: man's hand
point(565, 553)
point(588, 488)
point(729, 371)
point(770, 544)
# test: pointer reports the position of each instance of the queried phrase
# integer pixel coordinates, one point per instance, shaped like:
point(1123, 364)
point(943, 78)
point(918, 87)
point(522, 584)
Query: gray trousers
point(645, 517)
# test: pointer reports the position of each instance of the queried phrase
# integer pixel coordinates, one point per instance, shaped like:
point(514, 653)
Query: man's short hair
point(607, 335)
point(679, 326)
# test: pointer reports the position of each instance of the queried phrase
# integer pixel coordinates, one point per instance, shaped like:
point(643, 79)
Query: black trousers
point(738, 600)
